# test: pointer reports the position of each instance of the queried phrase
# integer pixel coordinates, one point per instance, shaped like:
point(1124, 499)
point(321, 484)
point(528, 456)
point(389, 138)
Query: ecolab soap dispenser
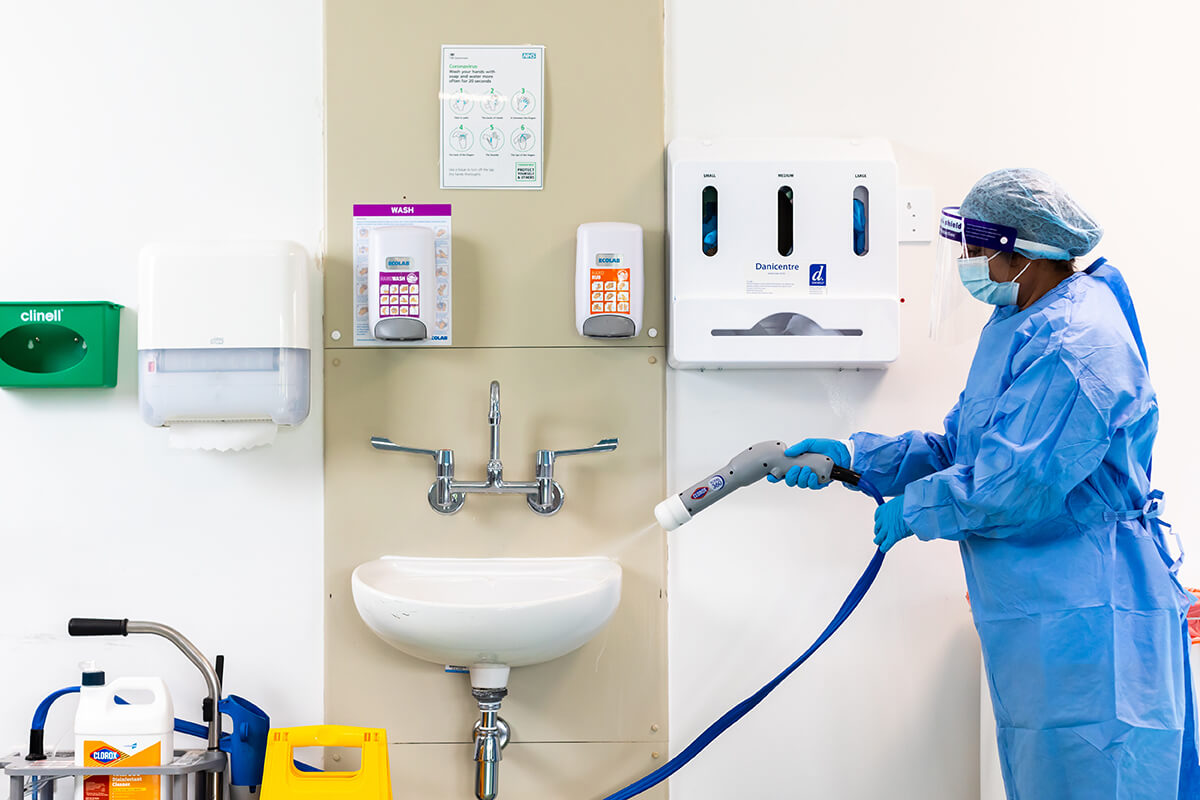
point(401, 282)
point(223, 333)
point(609, 280)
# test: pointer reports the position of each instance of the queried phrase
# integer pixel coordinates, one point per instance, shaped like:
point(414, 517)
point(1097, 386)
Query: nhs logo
point(816, 274)
point(529, 54)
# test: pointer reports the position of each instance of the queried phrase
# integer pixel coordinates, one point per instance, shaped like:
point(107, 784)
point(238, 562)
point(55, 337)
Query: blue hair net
point(1051, 224)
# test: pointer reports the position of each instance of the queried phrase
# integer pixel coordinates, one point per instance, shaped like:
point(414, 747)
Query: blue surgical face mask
point(977, 278)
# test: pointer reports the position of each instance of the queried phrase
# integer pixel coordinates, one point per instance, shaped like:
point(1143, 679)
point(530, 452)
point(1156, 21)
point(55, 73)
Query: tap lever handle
point(380, 443)
point(602, 446)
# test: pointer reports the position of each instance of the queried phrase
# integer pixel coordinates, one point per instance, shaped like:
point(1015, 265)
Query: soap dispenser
point(401, 282)
point(608, 280)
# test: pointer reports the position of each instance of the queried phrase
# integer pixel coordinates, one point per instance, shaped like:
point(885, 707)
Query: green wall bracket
point(59, 344)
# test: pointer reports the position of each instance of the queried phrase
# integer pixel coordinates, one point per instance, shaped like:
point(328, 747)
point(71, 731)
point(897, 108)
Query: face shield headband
point(977, 233)
point(969, 232)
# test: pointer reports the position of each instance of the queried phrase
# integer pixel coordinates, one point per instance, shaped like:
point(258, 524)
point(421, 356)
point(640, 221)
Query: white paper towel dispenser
point(223, 334)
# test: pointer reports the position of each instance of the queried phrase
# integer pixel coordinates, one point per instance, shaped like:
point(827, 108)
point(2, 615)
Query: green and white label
point(492, 100)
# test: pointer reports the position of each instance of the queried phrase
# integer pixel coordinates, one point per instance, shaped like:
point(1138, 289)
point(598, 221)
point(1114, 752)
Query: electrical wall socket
point(916, 214)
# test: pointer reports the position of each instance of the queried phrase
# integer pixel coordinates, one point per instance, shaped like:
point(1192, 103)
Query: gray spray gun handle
point(750, 466)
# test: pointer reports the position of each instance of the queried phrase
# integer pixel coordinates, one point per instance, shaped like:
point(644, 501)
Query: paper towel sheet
point(221, 436)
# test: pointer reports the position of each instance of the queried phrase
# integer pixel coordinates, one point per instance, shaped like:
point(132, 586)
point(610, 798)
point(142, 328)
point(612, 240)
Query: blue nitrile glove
point(804, 477)
point(889, 523)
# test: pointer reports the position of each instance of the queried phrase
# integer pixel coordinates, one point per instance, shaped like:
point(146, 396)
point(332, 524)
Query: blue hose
point(43, 709)
point(743, 708)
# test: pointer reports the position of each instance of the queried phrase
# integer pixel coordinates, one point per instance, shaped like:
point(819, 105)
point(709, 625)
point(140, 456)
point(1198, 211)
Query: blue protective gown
point(1042, 475)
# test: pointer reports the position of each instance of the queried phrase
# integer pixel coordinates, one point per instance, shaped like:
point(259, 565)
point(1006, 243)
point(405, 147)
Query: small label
point(703, 490)
point(526, 171)
point(716, 483)
point(816, 274)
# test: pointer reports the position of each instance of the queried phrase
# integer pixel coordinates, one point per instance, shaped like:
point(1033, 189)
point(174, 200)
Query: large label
point(120, 787)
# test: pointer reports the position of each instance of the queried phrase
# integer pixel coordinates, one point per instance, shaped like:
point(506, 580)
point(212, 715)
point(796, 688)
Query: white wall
point(125, 123)
point(1093, 92)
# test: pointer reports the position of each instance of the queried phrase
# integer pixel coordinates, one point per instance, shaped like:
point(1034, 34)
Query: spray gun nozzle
point(751, 465)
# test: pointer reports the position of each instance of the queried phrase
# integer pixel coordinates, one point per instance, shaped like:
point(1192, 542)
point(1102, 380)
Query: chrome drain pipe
point(491, 736)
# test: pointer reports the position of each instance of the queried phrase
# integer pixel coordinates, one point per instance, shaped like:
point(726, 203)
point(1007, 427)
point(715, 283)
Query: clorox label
point(105, 755)
point(703, 490)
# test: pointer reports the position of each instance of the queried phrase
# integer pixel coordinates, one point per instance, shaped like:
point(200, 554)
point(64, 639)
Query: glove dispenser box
point(782, 253)
point(58, 345)
point(223, 332)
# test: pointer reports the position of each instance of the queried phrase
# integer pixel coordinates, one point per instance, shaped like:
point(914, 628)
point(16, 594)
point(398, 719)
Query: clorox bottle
point(108, 734)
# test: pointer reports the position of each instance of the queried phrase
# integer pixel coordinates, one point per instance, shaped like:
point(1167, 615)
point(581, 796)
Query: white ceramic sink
point(476, 612)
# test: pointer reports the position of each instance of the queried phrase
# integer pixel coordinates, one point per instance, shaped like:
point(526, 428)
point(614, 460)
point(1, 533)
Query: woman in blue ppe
point(1043, 477)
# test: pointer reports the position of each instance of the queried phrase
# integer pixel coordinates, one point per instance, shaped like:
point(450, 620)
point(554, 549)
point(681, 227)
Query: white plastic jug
point(112, 735)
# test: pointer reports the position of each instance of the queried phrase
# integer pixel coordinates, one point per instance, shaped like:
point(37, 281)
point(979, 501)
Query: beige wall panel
point(568, 771)
point(513, 251)
point(587, 723)
point(612, 689)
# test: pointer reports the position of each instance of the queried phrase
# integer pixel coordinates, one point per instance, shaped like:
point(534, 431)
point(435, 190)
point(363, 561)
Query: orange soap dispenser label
point(609, 285)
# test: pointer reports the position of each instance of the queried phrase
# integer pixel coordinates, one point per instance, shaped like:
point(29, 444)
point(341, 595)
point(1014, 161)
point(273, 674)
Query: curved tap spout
point(495, 468)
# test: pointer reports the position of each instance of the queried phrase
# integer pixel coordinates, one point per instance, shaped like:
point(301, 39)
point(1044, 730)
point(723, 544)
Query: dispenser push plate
point(398, 290)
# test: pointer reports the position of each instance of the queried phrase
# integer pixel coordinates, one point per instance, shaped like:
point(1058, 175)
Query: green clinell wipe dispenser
point(70, 344)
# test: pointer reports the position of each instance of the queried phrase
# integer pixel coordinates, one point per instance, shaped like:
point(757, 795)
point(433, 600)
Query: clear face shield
point(955, 316)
